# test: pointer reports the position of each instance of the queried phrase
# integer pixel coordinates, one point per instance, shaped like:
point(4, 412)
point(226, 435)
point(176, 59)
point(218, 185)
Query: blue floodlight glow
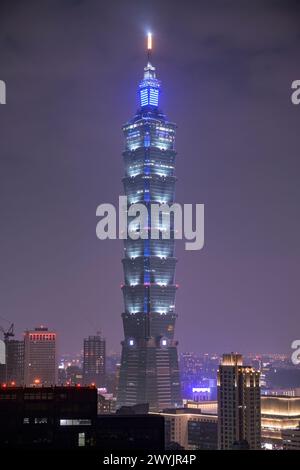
point(201, 389)
point(149, 92)
point(144, 97)
point(153, 97)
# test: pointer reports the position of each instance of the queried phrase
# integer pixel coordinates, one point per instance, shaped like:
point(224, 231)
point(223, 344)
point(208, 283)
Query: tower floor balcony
point(149, 297)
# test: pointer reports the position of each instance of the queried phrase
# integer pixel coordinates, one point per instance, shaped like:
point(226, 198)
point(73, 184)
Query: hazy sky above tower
point(71, 70)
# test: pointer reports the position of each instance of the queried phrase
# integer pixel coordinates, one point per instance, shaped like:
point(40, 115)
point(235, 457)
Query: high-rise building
point(94, 360)
point(238, 404)
point(40, 367)
point(15, 361)
point(149, 364)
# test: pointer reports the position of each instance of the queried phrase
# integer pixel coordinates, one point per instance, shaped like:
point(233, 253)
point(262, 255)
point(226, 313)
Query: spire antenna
point(149, 46)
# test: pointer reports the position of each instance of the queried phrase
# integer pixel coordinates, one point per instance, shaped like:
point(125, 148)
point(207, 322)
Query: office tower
point(94, 360)
point(238, 403)
point(15, 361)
point(40, 357)
point(149, 364)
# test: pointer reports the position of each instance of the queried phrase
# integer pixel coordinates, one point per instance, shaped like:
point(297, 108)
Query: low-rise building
point(278, 414)
point(190, 428)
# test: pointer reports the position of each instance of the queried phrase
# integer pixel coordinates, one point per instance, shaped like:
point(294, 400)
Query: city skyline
point(241, 290)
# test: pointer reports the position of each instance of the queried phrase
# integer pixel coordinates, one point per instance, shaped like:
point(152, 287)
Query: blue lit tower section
point(149, 365)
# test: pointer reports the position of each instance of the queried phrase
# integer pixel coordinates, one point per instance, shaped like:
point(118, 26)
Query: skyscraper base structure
point(149, 370)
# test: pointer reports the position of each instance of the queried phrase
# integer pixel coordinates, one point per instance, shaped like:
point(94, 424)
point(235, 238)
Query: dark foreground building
point(66, 418)
point(48, 417)
point(131, 432)
point(149, 365)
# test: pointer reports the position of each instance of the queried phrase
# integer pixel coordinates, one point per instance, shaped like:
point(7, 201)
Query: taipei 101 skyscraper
point(149, 365)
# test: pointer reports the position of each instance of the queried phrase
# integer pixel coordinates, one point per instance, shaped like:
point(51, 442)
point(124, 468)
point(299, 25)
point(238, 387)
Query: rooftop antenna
point(149, 46)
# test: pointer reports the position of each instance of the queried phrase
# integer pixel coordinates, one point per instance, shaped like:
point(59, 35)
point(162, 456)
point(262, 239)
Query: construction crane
point(8, 333)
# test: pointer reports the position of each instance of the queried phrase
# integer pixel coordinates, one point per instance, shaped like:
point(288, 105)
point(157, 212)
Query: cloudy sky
point(71, 70)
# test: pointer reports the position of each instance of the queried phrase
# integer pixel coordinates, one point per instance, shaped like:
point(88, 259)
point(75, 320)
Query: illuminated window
point(40, 420)
point(75, 422)
point(149, 93)
point(81, 439)
point(153, 97)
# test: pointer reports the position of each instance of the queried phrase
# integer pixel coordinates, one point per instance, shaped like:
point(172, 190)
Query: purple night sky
point(71, 70)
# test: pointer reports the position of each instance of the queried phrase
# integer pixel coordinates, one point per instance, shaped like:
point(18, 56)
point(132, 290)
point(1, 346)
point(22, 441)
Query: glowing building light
point(149, 41)
point(153, 97)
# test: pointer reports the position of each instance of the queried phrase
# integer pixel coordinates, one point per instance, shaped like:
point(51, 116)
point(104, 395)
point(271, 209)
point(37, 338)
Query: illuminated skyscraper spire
point(149, 366)
point(149, 46)
point(149, 87)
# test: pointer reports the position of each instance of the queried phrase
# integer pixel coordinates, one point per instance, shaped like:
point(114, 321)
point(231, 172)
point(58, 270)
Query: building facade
point(279, 414)
point(239, 412)
point(291, 439)
point(190, 429)
point(15, 361)
point(40, 365)
point(135, 432)
point(48, 417)
point(94, 360)
point(149, 370)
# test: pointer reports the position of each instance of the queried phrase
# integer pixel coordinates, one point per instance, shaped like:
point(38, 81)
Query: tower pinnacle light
point(149, 41)
point(149, 87)
point(149, 46)
point(149, 370)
